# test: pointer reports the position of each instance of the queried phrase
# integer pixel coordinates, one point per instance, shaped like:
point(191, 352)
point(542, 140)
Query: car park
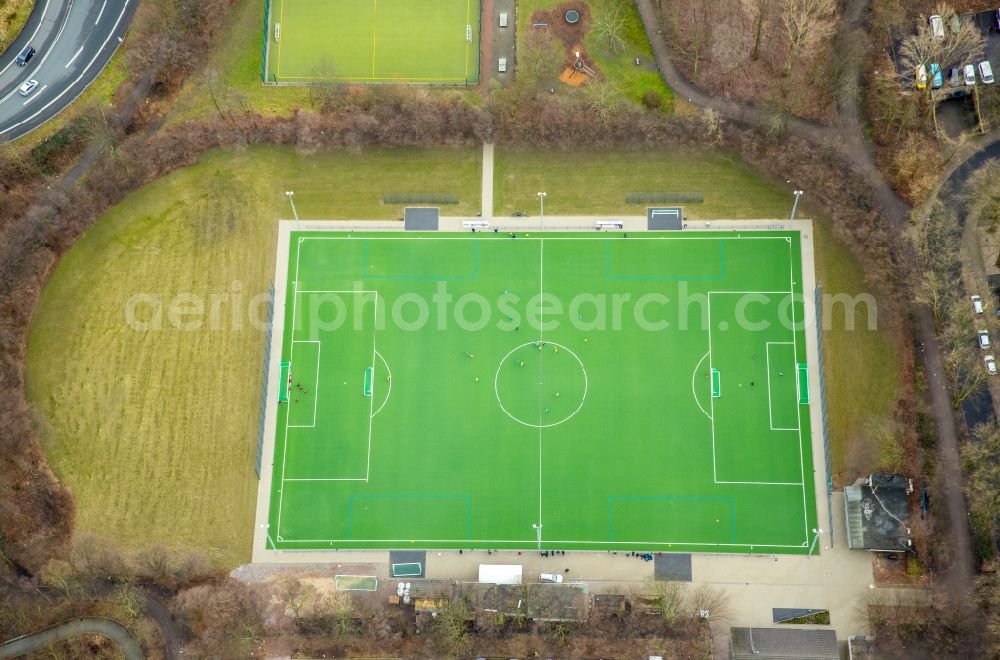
point(977, 304)
point(27, 87)
point(937, 26)
point(984, 339)
point(986, 72)
point(936, 79)
point(25, 55)
point(991, 365)
point(920, 77)
point(969, 73)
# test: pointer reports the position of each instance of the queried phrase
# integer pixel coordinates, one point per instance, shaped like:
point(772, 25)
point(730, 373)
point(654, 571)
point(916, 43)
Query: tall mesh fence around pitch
point(818, 297)
point(258, 461)
point(265, 45)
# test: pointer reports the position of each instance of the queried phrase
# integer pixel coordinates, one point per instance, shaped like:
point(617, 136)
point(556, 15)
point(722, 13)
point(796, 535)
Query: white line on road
point(33, 34)
point(114, 29)
point(35, 96)
point(72, 59)
point(101, 13)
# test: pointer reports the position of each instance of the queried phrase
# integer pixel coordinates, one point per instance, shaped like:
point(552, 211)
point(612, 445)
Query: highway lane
point(74, 40)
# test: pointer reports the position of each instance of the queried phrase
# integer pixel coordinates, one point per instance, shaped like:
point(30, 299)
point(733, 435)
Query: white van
point(970, 75)
point(937, 26)
point(986, 72)
point(502, 65)
point(503, 19)
point(977, 304)
point(551, 577)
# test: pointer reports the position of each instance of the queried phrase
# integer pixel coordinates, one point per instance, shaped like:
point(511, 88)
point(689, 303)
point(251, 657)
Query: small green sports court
point(557, 391)
point(393, 41)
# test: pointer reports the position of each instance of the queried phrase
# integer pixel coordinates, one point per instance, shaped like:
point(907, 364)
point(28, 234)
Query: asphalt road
point(83, 626)
point(74, 40)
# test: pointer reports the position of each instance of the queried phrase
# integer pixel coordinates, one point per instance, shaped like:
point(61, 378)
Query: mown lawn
point(155, 430)
point(588, 182)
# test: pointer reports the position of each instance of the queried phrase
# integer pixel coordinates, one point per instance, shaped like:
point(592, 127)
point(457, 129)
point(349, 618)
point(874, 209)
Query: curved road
point(60, 633)
point(74, 40)
point(849, 141)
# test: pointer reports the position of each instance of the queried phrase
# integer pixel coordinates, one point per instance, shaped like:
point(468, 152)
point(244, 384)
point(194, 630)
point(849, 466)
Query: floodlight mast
point(541, 208)
point(290, 195)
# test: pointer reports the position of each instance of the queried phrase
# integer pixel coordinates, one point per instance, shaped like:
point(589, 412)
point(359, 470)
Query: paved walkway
point(64, 631)
point(487, 212)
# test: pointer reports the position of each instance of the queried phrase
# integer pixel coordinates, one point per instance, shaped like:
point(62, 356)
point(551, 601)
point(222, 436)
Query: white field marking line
point(284, 447)
point(338, 291)
point(541, 369)
point(496, 386)
point(101, 13)
point(389, 390)
point(371, 404)
point(534, 540)
point(326, 478)
point(694, 391)
point(34, 34)
point(73, 59)
point(711, 399)
point(767, 358)
point(715, 476)
point(319, 350)
point(35, 96)
point(352, 237)
point(78, 78)
point(798, 406)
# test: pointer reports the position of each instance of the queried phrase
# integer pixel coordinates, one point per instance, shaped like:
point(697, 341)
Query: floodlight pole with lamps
point(816, 532)
point(290, 194)
point(538, 531)
point(541, 208)
point(795, 204)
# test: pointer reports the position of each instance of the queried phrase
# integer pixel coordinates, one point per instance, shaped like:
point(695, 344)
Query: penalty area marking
point(388, 391)
point(694, 390)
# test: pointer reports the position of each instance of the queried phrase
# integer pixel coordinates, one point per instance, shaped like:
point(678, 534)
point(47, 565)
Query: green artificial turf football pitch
point(588, 391)
point(422, 41)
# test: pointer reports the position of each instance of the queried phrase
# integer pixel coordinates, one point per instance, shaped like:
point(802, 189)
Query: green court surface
point(581, 391)
point(418, 41)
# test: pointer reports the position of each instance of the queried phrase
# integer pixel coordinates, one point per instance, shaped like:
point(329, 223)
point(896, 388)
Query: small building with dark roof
point(783, 644)
point(877, 511)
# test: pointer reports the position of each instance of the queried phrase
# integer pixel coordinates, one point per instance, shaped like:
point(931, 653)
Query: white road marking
point(34, 96)
point(101, 13)
point(72, 59)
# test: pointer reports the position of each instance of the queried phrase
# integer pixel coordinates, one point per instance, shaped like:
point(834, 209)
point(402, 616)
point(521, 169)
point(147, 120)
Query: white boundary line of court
point(767, 357)
point(261, 553)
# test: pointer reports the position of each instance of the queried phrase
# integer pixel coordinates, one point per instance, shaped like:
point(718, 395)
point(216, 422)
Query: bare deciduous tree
point(806, 23)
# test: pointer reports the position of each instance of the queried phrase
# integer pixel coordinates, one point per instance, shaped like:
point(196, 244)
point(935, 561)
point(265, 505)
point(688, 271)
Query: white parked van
point(986, 72)
point(503, 19)
point(937, 26)
point(984, 339)
point(502, 65)
point(550, 577)
point(970, 75)
point(977, 304)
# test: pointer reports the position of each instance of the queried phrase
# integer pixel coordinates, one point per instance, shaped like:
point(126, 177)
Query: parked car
point(27, 87)
point(920, 77)
point(937, 26)
point(936, 79)
point(550, 577)
point(955, 78)
point(991, 365)
point(977, 304)
point(984, 339)
point(986, 72)
point(970, 75)
point(956, 24)
point(25, 55)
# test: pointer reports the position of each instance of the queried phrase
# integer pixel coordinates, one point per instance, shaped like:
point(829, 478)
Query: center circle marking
point(506, 361)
